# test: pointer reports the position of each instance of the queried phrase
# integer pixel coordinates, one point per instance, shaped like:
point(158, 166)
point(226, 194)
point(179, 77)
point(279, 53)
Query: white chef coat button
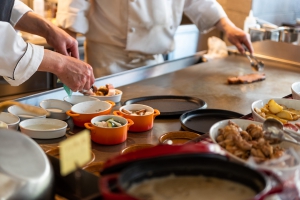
point(132, 30)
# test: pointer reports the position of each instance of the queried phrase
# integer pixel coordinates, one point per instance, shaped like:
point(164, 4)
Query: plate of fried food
point(107, 92)
point(244, 139)
point(287, 111)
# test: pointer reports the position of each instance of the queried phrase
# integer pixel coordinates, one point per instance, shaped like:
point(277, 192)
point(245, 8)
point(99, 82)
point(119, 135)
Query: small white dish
point(43, 128)
point(296, 90)
point(75, 99)
point(115, 98)
point(57, 108)
point(289, 103)
point(23, 114)
point(11, 120)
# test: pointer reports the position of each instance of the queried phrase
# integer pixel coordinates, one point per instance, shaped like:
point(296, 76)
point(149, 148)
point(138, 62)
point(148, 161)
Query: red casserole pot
point(186, 160)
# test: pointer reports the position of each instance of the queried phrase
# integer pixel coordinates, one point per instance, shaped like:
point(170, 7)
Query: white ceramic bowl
point(23, 114)
point(296, 90)
point(114, 98)
point(43, 128)
point(243, 123)
point(57, 108)
point(3, 125)
point(75, 99)
point(290, 103)
point(11, 120)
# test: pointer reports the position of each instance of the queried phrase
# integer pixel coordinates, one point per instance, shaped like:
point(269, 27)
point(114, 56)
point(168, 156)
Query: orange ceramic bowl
point(106, 135)
point(85, 111)
point(141, 122)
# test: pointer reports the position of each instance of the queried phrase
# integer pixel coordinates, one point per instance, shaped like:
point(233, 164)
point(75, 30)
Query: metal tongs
point(274, 129)
point(256, 64)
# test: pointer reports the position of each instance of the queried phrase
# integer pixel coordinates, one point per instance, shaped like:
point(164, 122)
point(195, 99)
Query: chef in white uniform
point(20, 60)
point(124, 34)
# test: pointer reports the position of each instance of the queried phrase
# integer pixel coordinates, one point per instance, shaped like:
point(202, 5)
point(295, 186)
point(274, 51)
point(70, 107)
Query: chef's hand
point(235, 35)
point(61, 41)
point(74, 73)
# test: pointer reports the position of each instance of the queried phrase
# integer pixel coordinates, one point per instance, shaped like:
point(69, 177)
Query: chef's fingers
point(247, 42)
point(73, 51)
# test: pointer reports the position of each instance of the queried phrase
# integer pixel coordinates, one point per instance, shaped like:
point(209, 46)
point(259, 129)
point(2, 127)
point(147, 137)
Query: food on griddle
point(280, 112)
point(248, 78)
point(110, 123)
point(249, 142)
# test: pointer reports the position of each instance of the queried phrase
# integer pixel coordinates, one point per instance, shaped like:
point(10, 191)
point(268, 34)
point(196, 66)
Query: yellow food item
point(280, 112)
point(284, 114)
point(274, 107)
point(277, 118)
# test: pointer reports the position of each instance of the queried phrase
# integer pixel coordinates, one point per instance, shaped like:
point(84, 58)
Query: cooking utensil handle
point(156, 113)
point(293, 134)
point(274, 190)
point(105, 188)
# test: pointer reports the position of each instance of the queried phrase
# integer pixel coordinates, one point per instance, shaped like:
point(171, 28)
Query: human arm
point(208, 14)
point(74, 73)
point(235, 35)
point(56, 37)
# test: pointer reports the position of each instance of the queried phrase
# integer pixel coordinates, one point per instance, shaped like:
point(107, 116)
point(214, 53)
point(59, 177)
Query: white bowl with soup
point(11, 120)
point(24, 114)
point(43, 128)
point(57, 108)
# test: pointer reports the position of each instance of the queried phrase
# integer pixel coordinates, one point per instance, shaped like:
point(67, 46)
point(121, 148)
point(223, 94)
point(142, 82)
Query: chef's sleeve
point(19, 9)
point(204, 13)
point(19, 60)
point(71, 15)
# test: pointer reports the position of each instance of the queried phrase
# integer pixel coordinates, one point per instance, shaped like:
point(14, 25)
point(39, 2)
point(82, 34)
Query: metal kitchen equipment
point(25, 171)
point(290, 35)
point(259, 34)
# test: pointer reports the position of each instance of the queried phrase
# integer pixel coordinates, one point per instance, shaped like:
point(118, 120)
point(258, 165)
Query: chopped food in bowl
point(110, 123)
point(113, 132)
point(284, 110)
point(244, 139)
point(143, 116)
point(107, 92)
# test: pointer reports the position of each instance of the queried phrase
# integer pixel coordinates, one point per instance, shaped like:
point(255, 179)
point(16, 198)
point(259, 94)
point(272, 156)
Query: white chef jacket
point(132, 29)
point(19, 60)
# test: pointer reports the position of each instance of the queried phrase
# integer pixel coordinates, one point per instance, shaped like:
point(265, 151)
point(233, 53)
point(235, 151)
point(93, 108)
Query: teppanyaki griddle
point(200, 121)
point(169, 105)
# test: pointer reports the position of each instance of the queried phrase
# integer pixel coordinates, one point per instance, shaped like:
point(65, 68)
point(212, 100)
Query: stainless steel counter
point(207, 81)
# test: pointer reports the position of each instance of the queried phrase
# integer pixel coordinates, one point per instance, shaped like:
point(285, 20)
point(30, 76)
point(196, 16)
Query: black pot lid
point(200, 121)
point(169, 105)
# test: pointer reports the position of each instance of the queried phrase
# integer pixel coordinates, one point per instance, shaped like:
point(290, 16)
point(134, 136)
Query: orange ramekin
point(141, 122)
point(109, 136)
point(85, 111)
